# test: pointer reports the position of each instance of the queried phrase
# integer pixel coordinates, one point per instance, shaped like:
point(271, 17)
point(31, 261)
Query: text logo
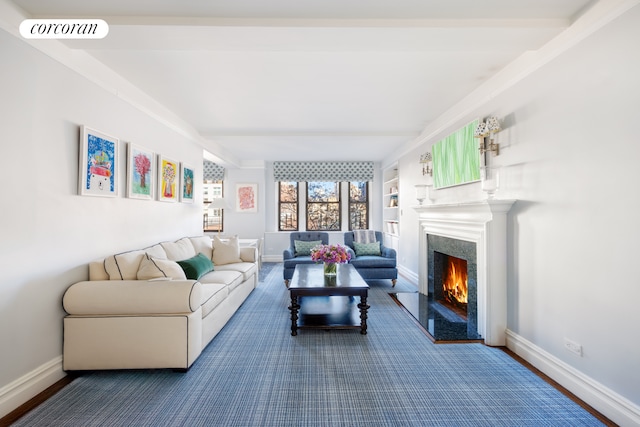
point(64, 29)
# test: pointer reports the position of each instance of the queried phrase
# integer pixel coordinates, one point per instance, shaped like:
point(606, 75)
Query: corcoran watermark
point(64, 29)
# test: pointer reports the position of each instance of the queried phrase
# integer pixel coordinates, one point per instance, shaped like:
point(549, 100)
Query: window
point(213, 217)
point(323, 206)
point(288, 206)
point(358, 205)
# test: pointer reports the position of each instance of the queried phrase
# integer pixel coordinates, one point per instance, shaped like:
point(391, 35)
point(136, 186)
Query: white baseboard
point(604, 400)
point(409, 275)
point(272, 258)
point(20, 391)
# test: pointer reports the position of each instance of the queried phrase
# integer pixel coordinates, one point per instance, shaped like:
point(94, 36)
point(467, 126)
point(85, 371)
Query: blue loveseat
point(291, 258)
point(381, 266)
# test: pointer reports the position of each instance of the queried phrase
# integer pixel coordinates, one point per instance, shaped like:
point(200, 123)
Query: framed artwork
point(98, 164)
point(247, 198)
point(456, 159)
point(186, 183)
point(168, 173)
point(140, 173)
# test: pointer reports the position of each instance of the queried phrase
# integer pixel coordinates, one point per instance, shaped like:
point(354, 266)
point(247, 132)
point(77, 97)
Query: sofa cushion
point(179, 250)
point(196, 266)
point(291, 263)
point(202, 244)
point(226, 252)
point(229, 278)
point(369, 261)
point(303, 247)
point(372, 248)
point(154, 268)
point(123, 266)
point(212, 295)
point(247, 269)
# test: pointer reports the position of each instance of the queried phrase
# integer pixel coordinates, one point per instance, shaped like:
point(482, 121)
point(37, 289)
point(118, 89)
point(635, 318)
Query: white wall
point(570, 154)
point(245, 225)
point(48, 232)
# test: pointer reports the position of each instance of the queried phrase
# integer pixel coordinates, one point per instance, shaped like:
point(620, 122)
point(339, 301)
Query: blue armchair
point(381, 266)
point(292, 257)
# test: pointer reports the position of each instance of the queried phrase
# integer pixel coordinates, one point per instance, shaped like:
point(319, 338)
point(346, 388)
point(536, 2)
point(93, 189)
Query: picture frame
point(456, 159)
point(99, 164)
point(168, 179)
point(247, 198)
point(140, 172)
point(186, 183)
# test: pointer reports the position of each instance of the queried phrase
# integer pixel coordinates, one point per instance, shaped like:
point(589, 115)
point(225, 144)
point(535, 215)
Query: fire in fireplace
point(454, 283)
point(451, 285)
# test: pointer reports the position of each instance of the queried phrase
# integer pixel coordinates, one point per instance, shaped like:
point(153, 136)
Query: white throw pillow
point(226, 252)
point(154, 268)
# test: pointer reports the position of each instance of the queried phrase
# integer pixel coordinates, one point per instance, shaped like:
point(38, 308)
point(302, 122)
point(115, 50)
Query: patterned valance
point(323, 171)
point(213, 171)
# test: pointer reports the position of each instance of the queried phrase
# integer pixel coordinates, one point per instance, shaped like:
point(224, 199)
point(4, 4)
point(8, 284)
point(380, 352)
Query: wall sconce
point(491, 127)
point(425, 159)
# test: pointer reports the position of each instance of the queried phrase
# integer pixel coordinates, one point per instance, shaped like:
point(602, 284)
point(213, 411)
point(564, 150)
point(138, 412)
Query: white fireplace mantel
point(485, 224)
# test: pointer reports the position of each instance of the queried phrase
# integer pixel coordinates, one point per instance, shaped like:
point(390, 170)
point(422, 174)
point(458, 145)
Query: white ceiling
point(300, 80)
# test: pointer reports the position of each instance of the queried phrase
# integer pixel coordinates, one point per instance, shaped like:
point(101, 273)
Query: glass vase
point(330, 268)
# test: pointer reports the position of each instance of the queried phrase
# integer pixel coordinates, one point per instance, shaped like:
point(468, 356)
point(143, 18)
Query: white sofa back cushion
point(203, 244)
point(123, 266)
point(179, 250)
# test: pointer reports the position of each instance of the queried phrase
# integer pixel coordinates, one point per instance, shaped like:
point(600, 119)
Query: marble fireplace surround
point(485, 224)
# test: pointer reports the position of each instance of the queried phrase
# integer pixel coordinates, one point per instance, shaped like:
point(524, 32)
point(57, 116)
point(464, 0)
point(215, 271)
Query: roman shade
point(213, 171)
point(323, 171)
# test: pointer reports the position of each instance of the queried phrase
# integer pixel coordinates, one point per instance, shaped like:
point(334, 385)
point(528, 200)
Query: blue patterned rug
point(254, 373)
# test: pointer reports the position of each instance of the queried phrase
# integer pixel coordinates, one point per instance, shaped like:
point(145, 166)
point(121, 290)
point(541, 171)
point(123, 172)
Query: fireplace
point(475, 232)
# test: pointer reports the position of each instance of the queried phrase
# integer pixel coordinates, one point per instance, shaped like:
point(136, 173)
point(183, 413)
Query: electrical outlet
point(573, 347)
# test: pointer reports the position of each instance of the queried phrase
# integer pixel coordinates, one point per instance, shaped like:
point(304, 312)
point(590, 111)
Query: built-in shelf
point(390, 204)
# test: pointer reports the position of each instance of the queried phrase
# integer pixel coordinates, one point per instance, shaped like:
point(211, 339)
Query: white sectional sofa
point(138, 310)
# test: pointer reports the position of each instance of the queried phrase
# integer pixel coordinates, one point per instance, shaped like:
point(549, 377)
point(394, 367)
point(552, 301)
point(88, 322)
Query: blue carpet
point(254, 373)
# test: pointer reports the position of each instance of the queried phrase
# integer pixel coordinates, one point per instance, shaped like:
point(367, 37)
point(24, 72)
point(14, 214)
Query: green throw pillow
point(304, 247)
point(196, 267)
point(367, 248)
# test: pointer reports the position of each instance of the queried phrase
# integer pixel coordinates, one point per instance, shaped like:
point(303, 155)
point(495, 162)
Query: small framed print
point(140, 178)
point(168, 174)
point(247, 198)
point(98, 164)
point(186, 183)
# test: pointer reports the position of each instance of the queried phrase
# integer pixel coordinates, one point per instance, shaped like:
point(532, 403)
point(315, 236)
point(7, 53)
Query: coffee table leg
point(294, 307)
point(363, 314)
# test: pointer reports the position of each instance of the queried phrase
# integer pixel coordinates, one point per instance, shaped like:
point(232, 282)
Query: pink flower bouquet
point(330, 254)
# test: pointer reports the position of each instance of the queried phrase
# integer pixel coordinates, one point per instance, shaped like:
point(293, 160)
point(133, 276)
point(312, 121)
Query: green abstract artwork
point(456, 159)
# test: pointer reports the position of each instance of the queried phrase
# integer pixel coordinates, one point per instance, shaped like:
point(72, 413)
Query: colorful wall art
point(168, 171)
point(456, 159)
point(247, 198)
point(98, 164)
point(140, 179)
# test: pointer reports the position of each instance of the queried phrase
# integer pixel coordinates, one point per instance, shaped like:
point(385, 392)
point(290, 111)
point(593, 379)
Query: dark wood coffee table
point(309, 281)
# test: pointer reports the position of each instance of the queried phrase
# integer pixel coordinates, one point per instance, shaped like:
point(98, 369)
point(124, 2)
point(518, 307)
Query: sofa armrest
point(288, 254)
point(132, 297)
point(352, 252)
point(388, 252)
point(249, 254)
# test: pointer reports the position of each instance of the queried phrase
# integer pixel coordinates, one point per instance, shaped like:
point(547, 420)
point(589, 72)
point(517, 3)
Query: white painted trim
point(410, 275)
point(272, 258)
point(606, 401)
point(28, 386)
